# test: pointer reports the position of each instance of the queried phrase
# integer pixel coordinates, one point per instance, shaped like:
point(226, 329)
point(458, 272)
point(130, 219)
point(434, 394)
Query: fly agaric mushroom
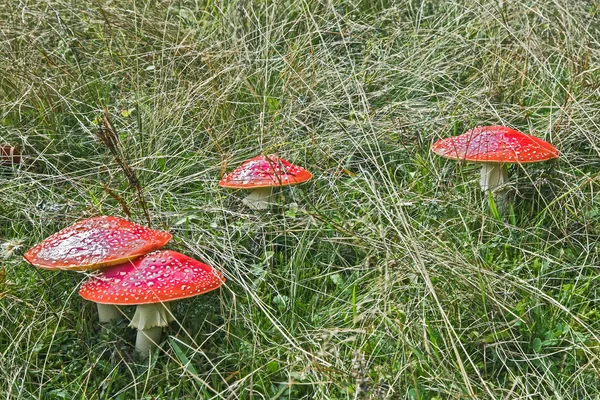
point(95, 243)
point(150, 282)
point(262, 174)
point(494, 146)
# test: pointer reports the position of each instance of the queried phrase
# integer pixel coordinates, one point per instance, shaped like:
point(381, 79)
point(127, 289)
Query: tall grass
point(387, 276)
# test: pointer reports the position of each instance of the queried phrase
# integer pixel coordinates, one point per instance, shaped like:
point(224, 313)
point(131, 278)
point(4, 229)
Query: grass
point(388, 276)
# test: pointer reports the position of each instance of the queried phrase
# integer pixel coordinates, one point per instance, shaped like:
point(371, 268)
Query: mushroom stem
point(147, 340)
point(108, 312)
point(149, 319)
point(259, 198)
point(492, 176)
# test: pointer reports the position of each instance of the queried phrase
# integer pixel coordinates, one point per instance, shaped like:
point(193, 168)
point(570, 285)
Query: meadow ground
point(389, 276)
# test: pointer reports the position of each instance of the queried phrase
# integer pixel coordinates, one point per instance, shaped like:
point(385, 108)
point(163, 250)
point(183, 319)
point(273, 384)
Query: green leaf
point(537, 345)
point(127, 113)
point(272, 103)
point(493, 207)
point(183, 358)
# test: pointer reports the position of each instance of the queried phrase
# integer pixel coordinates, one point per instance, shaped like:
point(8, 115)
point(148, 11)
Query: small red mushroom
point(493, 146)
point(262, 174)
point(150, 282)
point(95, 243)
point(9, 155)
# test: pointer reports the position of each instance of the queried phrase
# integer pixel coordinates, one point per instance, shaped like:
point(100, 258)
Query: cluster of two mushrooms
point(493, 147)
point(132, 271)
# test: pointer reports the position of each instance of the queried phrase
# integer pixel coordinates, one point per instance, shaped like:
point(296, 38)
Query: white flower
point(10, 246)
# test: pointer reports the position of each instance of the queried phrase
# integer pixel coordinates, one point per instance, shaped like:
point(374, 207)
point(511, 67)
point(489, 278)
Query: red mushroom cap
point(95, 243)
point(265, 171)
point(9, 155)
point(156, 277)
point(495, 144)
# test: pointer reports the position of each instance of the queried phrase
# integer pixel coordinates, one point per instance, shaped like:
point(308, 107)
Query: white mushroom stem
point(108, 312)
point(147, 340)
point(259, 198)
point(149, 319)
point(492, 176)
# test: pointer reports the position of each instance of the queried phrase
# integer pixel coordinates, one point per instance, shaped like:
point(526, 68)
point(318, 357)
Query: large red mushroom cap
point(495, 144)
point(156, 277)
point(96, 243)
point(265, 171)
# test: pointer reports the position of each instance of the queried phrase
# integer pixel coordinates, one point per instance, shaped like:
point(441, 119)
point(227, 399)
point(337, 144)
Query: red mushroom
point(9, 155)
point(262, 174)
point(96, 243)
point(150, 282)
point(493, 146)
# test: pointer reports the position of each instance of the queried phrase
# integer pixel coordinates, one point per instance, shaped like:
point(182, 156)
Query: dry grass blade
point(108, 135)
